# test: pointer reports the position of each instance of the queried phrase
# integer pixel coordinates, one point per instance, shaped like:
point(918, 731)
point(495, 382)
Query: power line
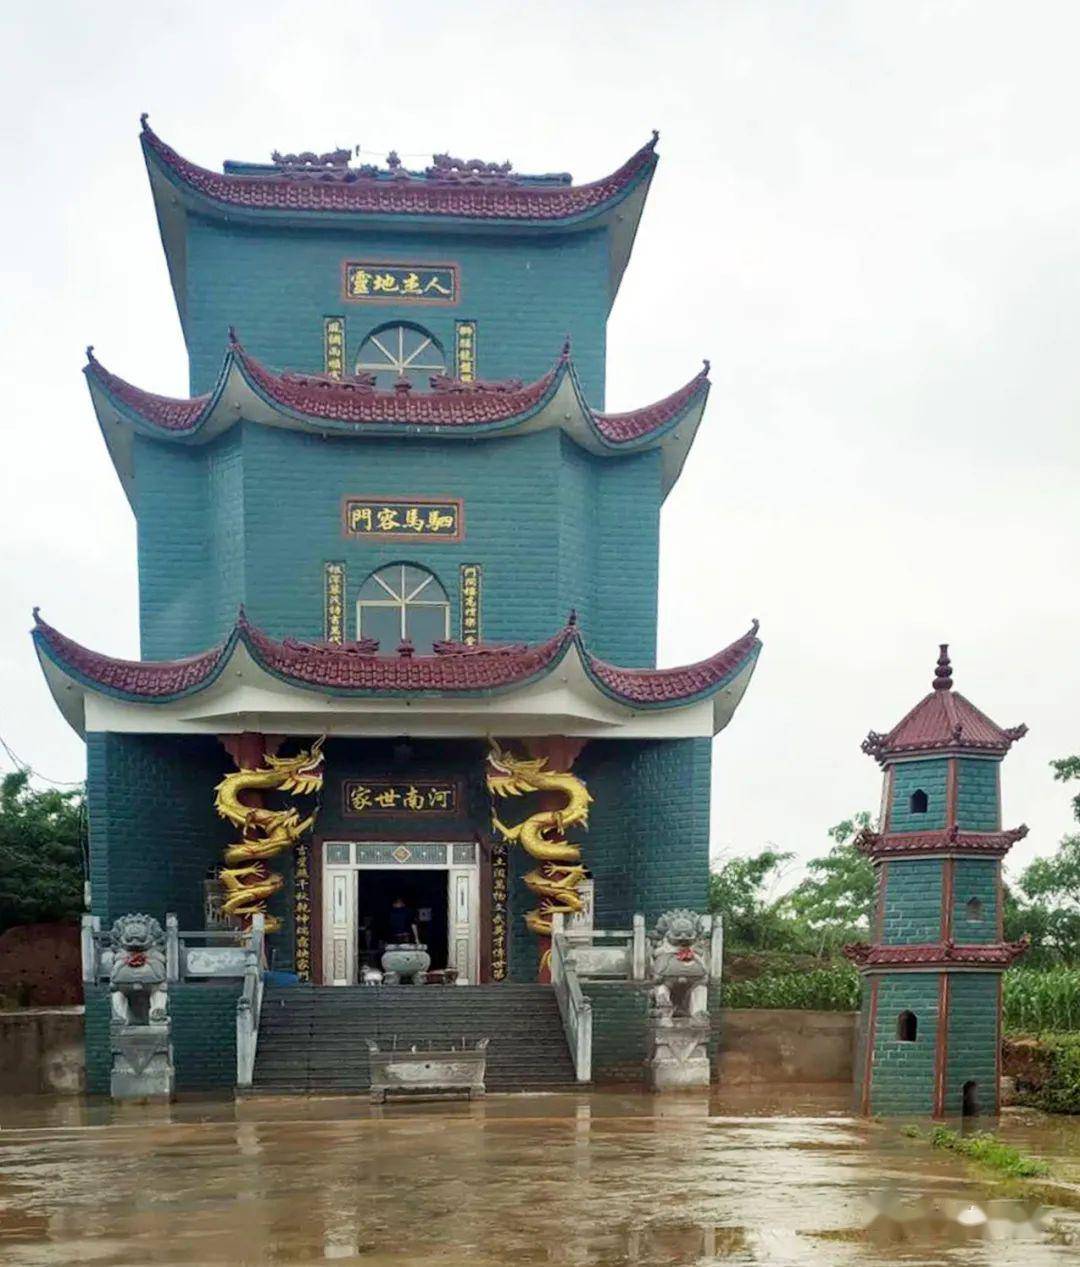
point(22, 765)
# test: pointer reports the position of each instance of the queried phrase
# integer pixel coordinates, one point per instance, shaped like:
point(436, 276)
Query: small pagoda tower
point(929, 1039)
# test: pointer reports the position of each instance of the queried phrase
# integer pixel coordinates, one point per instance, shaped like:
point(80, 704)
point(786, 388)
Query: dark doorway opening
point(970, 1099)
point(424, 893)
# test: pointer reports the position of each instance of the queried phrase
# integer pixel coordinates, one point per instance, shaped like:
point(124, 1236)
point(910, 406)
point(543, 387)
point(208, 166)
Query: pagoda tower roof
point(557, 685)
point(943, 721)
point(248, 390)
point(307, 189)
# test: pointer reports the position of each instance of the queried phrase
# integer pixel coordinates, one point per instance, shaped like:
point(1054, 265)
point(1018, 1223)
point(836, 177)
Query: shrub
point(1038, 1001)
point(832, 989)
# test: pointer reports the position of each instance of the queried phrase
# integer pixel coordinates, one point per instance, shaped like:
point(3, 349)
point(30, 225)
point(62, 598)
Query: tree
point(835, 901)
point(1051, 887)
point(41, 866)
point(752, 918)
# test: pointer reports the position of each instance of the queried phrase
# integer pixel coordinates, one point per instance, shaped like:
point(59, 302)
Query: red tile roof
point(354, 668)
point(408, 195)
point(992, 844)
point(944, 719)
point(654, 686)
point(458, 406)
point(936, 955)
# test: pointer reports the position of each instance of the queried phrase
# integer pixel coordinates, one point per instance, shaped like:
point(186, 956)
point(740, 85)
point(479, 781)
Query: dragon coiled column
point(246, 879)
point(543, 835)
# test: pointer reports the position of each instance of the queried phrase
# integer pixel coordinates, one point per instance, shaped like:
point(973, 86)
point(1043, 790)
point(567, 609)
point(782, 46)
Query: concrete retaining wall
point(41, 1050)
point(785, 1045)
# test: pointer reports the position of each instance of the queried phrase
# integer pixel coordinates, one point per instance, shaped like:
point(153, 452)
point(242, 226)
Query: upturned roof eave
point(238, 395)
point(70, 686)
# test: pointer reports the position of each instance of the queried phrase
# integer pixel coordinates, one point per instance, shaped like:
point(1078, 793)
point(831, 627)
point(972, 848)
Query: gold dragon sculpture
point(247, 880)
point(543, 835)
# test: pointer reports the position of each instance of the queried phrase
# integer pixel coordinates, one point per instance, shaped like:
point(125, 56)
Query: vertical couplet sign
point(334, 602)
point(470, 603)
point(334, 346)
point(465, 350)
point(500, 873)
point(302, 910)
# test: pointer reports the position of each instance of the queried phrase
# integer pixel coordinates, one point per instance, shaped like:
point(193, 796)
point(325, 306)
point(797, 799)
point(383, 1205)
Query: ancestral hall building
point(393, 512)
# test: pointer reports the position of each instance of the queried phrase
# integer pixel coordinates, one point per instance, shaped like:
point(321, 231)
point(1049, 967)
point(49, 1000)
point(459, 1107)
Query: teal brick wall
point(96, 1038)
point(253, 518)
point(972, 1039)
point(912, 901)
point(203, 1036)
point(620, 1030)
point(930, 776)
point(975, 878)
point(978, 801)
point(902, 1081)
point(526, 293)
point(153, 829)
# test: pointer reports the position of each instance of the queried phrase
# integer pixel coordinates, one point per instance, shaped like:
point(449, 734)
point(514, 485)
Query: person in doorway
point(403, 924)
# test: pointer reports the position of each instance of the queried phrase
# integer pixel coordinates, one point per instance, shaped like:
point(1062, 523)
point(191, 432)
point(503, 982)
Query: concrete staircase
point(312, 1038)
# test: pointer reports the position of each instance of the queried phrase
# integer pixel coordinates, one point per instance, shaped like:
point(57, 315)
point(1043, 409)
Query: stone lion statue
point(137, 977)
point(680, 969)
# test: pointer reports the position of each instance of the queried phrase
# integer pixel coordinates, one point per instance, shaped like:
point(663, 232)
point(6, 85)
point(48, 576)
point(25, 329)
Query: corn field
point(1040, 1001)
point(1035, 1001)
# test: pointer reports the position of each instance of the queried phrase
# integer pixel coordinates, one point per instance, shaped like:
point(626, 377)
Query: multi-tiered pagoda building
point(394, 512)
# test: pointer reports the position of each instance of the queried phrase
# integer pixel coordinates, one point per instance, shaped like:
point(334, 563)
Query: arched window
point(973, 908)
point(400, 350)
point(919, 801)
point(907, 1027)
point(969, 1104)
point(403, 601)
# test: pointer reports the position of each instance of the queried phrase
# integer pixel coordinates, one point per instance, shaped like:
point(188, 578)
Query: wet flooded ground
point(606, 1178)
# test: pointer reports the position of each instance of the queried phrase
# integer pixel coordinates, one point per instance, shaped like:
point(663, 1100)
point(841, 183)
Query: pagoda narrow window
point(907, 1027)
point(403, 601)
point(974, 909)
point(919, 802)
point(399, 351)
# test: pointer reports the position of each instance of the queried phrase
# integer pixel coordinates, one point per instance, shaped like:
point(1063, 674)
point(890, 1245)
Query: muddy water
point(597, 1179)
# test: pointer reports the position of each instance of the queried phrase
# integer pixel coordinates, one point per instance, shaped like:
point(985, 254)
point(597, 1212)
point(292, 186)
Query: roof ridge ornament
point(943, 670)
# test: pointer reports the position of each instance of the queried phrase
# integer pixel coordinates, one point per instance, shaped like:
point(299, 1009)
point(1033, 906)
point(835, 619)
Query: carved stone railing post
point(91, 960)
point(172, 948)
point(638, 947)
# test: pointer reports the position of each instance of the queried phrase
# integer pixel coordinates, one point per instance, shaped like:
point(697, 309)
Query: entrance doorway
point(425, 896)
point(439, 882)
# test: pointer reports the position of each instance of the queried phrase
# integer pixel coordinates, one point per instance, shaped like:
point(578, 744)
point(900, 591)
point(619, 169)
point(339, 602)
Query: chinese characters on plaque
point(499, 898)
point(370, 797)
point(302, 911)
point(411, 283)
point(465, 350)
point(470, 603)
point(334, 346)
point(334, 602)
point(403, 518)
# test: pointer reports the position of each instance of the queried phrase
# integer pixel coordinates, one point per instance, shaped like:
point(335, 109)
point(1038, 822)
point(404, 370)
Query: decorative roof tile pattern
point(407, 196)
point(354, 668)
point(944, 719)
point(145, 679)
point(990, 844)
point(318, 398)
point(940, 955)
point(166, 412)
point(661, 686)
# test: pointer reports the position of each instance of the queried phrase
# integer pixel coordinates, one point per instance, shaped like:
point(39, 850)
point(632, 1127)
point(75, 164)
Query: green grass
point(984, 1148)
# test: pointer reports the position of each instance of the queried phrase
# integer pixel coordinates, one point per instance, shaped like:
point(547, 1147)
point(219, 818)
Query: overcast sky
point(865, 215)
